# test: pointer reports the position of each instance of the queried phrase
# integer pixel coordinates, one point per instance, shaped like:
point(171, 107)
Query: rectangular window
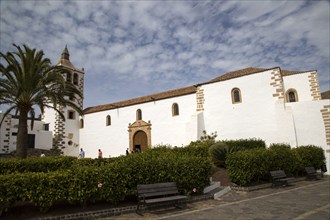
point(71, 115)
point(46, 127)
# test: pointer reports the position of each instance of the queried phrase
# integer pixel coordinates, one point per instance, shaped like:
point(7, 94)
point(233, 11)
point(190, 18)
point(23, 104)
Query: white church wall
point(310, 127)
point(49, 118)
point(71, 135)
point(257, 116)
point(309, 122)
point(165, 129)
point(43, 138)
point(299, 82)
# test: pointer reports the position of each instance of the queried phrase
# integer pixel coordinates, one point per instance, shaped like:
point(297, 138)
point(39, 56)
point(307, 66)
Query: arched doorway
point(140, 141)
point(139, 135)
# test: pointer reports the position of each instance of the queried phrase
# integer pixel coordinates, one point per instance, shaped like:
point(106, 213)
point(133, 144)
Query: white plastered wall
point(299, 82)
point(165, 128)
point(259, 115)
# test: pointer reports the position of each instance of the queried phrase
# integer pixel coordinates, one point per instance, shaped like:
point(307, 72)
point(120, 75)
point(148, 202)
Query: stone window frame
point(71, 114)
point(233, 98)
point(138, 114)
point(295, 93)
point(175, 109)
point(108, 120)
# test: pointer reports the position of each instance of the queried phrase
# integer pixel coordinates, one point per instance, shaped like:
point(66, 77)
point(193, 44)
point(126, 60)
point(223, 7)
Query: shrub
point(246, 144)
point(311, 156)
point(247, 166)
point(111, 180)
point(218, 153)
point(283, 158)
point(35, 164)
point(280, 146)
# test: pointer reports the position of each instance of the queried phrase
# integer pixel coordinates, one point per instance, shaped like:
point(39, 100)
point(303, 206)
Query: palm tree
point(30, 81)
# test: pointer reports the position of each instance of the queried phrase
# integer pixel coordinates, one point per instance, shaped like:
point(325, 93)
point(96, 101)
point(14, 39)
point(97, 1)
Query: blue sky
point(134, 48)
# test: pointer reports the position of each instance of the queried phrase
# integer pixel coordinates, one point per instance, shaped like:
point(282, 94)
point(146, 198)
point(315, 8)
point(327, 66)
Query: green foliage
point(245, 144)
point(35, 164)
point(218, 153)
point(28, 80)
point(205, 141)
point(280, 146)
point(246, 167)
point(113, 179)
point(311, 156)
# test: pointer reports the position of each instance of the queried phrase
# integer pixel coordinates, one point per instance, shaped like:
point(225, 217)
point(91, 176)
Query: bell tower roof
point(65, 59)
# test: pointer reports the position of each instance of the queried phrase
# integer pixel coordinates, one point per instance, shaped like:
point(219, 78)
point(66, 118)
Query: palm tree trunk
point(22, 134)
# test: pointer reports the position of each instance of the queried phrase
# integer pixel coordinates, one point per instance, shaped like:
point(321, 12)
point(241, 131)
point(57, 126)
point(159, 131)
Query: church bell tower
point(66, 133)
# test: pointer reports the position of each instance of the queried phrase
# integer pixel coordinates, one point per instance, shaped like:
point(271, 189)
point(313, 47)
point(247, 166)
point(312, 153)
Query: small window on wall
point(108, 120)
point(69, 77)
point(71, 115)
point(175, 109)
point(236, 96)
point(138, 114)
point(291, 95)
point(75, 79)
point(81, 123)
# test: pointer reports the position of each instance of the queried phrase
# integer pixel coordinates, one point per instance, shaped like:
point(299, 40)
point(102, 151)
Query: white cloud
point(169, 44)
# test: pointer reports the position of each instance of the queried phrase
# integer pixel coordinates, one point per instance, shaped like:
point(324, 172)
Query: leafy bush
point(35, 164)
point(279, 146)
point(218, 153)
point(311, 156)
point(245, 144)
point(110, 180)
point(205, 141)
point(247, 166)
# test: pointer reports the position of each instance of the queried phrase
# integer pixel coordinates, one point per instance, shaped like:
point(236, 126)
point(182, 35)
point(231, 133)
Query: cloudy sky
point(134, 48)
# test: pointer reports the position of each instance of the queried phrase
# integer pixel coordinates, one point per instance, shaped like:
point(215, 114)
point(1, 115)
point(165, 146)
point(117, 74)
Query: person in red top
point(100, 153)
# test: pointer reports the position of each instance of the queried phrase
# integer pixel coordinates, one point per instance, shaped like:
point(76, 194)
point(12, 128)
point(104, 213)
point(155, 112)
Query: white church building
point(272, 104)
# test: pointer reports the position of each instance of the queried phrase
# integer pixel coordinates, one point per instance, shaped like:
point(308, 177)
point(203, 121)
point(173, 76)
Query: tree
point(28, 81)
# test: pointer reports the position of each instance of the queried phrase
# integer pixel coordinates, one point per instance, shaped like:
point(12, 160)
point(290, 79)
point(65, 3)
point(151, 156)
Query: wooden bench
point(279, 178)
point(158, 193)
point(312, 174)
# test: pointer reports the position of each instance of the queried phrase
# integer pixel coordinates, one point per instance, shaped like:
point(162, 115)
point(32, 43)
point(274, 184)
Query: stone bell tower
point(66, 133)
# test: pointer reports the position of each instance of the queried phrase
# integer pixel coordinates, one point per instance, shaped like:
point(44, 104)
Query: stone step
point(221, 192)
point(211, 187)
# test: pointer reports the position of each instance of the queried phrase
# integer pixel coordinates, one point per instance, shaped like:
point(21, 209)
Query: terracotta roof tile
point(237, 73)
point(183, 91)
point(148, 98)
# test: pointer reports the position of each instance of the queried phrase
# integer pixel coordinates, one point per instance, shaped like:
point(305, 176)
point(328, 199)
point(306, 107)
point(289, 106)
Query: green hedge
point(311, 156)
point(246, 167)
point(35, 164)
point(109, 180)
point(245, 144)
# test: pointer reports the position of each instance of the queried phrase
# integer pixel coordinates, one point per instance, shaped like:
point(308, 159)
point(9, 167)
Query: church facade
point(272, 104)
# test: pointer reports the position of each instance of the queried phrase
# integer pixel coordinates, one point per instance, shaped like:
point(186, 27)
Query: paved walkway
point(302, 200)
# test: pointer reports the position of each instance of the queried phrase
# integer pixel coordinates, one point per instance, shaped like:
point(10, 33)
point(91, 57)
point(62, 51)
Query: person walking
point(82, 153)
point(100, 153)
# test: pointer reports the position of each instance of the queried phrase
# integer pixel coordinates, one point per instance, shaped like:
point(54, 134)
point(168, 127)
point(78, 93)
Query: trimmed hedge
point(311, 156)
point(104, 180)
point(246, 144)
point(35, 164)
point(246, 167)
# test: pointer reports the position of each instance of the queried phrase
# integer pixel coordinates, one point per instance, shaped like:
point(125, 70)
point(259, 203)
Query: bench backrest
point(278, 174)
point(157, 189)
point(310, 170)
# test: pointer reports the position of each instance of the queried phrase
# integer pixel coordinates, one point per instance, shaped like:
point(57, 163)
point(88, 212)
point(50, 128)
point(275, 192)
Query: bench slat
point(165, 199)
point(157, 193)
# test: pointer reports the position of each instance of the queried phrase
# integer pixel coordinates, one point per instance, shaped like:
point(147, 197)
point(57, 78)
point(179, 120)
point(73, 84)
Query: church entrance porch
point(139, 136)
